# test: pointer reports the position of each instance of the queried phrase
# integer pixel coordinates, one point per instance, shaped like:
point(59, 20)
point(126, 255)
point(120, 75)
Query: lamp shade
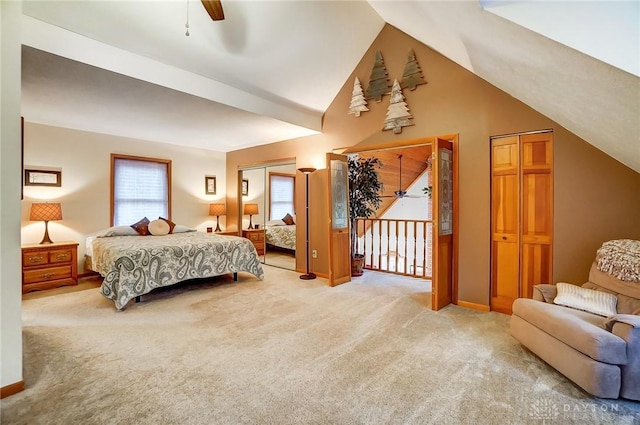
point(250, 209)
point(217, 209)
point(48, 211)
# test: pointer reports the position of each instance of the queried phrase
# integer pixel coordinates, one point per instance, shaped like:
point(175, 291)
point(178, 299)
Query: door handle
point(504, 238)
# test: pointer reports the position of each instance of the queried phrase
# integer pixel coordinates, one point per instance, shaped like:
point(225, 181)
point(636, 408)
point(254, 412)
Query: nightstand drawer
point(256, 236)
point(35, 258)
point(45, 274)
point(60, 256)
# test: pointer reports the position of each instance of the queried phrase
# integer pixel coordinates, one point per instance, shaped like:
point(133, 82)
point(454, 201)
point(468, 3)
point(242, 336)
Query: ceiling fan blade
point(214, 9)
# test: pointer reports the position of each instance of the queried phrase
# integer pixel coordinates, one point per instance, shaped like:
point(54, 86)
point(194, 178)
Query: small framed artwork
point(245, 187)
point(42, 178)
point(210, 185)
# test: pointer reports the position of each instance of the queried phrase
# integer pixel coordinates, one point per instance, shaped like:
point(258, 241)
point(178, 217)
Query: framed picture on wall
point(210, 185)
point(42, 178)
point(245, 187)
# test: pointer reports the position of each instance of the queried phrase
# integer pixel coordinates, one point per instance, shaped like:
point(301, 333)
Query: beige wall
point(85, 161)
point(596, 197)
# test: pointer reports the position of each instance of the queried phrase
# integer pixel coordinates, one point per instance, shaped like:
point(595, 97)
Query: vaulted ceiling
point(271, 68)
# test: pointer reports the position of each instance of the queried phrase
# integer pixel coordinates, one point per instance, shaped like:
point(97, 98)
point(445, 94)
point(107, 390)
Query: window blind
point(141, 189)
point(281, 196)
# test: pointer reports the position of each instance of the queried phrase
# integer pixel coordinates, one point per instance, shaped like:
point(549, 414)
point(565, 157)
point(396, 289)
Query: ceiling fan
point(214, 8)
point(402, 193)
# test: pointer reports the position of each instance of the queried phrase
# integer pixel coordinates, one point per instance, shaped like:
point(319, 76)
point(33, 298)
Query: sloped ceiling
point(270, 70)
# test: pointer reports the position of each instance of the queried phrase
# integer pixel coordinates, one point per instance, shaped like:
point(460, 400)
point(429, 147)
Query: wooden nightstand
point(46, 266)
point(256, 236)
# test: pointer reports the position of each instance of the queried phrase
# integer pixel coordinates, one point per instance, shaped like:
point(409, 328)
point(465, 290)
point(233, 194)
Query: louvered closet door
point(505, 241)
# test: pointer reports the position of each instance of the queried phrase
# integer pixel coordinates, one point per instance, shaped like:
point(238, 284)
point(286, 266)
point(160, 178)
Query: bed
point(281, 235)
point(135, 265)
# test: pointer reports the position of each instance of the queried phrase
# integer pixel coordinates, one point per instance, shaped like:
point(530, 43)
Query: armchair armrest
point(627, 327)
point(544, 292)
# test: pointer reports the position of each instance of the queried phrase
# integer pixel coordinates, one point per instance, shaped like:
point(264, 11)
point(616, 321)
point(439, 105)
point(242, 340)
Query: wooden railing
point(396, 246)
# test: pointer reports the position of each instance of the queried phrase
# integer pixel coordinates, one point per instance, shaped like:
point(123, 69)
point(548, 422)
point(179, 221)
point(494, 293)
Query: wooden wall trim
point(473, 306)
point(11, 389)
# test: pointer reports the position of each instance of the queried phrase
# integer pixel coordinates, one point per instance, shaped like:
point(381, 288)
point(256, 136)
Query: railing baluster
point(377, 227)
point(424, 260)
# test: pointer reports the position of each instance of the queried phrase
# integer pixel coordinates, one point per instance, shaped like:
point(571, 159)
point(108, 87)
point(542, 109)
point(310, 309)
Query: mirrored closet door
point(268, 194)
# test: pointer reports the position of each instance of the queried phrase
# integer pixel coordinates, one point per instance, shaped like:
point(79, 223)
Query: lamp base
point(308, 276)
point(46, 239)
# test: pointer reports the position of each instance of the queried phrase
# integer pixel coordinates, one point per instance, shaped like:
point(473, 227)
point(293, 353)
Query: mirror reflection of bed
point(272, 187)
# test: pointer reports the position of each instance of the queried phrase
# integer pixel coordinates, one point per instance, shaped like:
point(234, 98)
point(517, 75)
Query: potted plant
point(365, 189)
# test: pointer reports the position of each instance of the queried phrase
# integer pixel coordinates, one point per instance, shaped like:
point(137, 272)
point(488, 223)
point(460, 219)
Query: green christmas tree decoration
point(379, 84)
point(412, 75)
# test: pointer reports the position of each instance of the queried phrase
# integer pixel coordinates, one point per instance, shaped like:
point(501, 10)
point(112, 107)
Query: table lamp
point(250, 210)
point(45, 211)
point(217, 210)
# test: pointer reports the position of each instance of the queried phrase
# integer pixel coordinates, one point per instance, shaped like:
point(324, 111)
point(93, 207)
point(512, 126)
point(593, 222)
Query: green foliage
point(427, 190)
point(365, 189)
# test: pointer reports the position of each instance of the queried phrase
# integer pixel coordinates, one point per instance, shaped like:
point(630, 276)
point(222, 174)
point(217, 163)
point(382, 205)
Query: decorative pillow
point(288, 219)
point(159, 227)
point(169, 222)
point(118, 231)
point(142, 226)
point(276, 223)
point(182, 229)
point(596, 302)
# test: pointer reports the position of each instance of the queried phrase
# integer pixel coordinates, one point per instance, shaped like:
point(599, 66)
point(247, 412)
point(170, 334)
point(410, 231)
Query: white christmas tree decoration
point(358, 102)
point(398, 115)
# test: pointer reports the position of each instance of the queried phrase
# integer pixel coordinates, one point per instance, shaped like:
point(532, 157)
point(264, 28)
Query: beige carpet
point(280, 258)
point(287, 351)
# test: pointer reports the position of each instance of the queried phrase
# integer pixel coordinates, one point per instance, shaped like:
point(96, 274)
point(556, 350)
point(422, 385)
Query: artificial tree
point(365, 189)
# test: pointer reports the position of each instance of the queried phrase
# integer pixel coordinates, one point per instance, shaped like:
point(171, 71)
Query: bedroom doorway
point(411, 235)
point(268, 205)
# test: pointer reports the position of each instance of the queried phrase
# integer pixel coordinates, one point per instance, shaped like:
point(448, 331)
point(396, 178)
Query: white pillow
point(180, 228)
point(596, 302)
point(118, 231)
point(159, 227)
point(276, 223)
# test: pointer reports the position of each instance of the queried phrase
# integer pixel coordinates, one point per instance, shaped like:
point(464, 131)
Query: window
point(140, 187)
point(281, 195)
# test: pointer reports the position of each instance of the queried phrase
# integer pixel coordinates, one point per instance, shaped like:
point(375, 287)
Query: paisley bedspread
point(135, 265)
point(282, 236)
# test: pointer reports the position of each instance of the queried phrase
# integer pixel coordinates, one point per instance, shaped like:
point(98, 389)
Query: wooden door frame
point(431, 140)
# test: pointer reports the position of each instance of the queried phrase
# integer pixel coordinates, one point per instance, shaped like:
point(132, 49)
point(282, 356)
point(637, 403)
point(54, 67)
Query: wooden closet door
point(505, 241)
point(537, 211)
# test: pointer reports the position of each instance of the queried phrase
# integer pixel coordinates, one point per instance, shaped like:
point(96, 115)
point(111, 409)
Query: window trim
point(116, 156)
